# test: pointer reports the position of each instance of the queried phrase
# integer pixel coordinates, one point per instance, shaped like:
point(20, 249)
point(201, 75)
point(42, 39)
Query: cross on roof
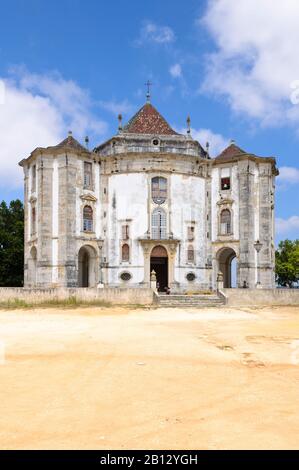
point(148, 94)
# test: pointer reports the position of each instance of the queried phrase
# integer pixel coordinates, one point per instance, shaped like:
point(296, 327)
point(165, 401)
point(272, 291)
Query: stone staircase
point(195, 301)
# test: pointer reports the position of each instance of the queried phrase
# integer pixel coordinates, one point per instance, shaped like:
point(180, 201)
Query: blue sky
point(73, 64)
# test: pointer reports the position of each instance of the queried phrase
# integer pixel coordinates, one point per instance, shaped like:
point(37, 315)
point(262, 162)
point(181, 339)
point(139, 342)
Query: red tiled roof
point(231, 151)
point(148, 121)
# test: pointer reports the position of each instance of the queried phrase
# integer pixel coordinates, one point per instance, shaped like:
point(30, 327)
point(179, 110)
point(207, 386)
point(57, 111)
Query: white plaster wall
point(188, 204)
point(129, 193)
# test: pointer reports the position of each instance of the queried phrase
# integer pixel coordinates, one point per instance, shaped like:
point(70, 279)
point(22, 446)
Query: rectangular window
point(33, 182)
point(191, 231)
point(33, 221)
point(225, 183)
point(125, 232)
point(87, 175)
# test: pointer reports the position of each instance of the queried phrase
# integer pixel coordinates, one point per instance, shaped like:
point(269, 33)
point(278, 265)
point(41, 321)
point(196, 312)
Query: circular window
point(125, 276)
point(155, 141)
point(190, 277)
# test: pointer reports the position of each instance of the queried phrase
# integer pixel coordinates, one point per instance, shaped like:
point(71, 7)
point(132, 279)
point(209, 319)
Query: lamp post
point(258, 246)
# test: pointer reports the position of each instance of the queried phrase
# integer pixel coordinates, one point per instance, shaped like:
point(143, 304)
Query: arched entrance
point(87, 267)
point(32, 262)
point(159, 263)
point(227, 264)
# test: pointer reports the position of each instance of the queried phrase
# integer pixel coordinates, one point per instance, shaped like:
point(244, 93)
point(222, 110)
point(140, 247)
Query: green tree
point(287, 263)
point(11, 244)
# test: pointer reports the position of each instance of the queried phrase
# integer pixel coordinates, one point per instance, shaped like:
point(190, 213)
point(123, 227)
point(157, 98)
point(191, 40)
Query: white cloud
point(288, 226)
point(2, 92)
point(256, 61)
point(114, 107)
point(217, 141)
point(37, 111)
point(288, 174)
point(175, 71)
point(152, 32)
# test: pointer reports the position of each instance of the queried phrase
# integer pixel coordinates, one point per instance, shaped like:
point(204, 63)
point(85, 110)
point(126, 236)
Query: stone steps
point(195, 301)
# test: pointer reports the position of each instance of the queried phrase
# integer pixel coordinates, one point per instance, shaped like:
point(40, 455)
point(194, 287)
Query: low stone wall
point(262, 297)
point(113, 295)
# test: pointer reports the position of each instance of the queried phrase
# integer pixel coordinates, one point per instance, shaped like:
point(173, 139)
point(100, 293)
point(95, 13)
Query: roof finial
point(70, 133)
point(148, 94)
point(120, 126)
point(87, 141)
point(188, 125)
point(232, 142)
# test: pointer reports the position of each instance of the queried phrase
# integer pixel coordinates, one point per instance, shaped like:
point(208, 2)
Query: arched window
point(125, 252)
point(33, 221)
point(159, 189)
point(87, 219)
point(159, 224)
point(225, 222)
point(190, 254)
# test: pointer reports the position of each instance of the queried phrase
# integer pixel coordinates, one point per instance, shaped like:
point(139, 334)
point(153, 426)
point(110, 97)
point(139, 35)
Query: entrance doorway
point(87, 267)
point(227, 264)
point(159, 263)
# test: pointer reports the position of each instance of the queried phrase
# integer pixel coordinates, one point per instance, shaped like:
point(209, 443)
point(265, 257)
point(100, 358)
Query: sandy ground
point(150, 379)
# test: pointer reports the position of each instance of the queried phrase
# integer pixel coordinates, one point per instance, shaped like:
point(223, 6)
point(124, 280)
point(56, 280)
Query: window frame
point(226, 225)
point(159, 189)
point(125, 250)
point(33, 178)
point(190, 249)
point(87, 221)
point(87, 174)
point(159, 228)
point(125, 232)
point(225, 180)
point(33, 221)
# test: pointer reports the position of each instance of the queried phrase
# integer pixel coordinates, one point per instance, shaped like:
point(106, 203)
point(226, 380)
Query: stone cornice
point(88, 197)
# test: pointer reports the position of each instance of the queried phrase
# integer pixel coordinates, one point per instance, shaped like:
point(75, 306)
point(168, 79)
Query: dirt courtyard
point(150, 379)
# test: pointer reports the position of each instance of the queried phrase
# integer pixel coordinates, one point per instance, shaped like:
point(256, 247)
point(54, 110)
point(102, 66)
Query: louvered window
point(159, 224)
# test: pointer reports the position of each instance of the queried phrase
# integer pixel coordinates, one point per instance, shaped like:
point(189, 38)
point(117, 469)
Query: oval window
point(125, 276)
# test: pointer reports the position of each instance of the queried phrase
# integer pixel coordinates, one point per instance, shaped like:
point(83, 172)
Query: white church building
point(148, 199)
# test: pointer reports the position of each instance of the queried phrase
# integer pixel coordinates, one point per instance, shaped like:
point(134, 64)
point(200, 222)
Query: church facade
point(148, 199)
